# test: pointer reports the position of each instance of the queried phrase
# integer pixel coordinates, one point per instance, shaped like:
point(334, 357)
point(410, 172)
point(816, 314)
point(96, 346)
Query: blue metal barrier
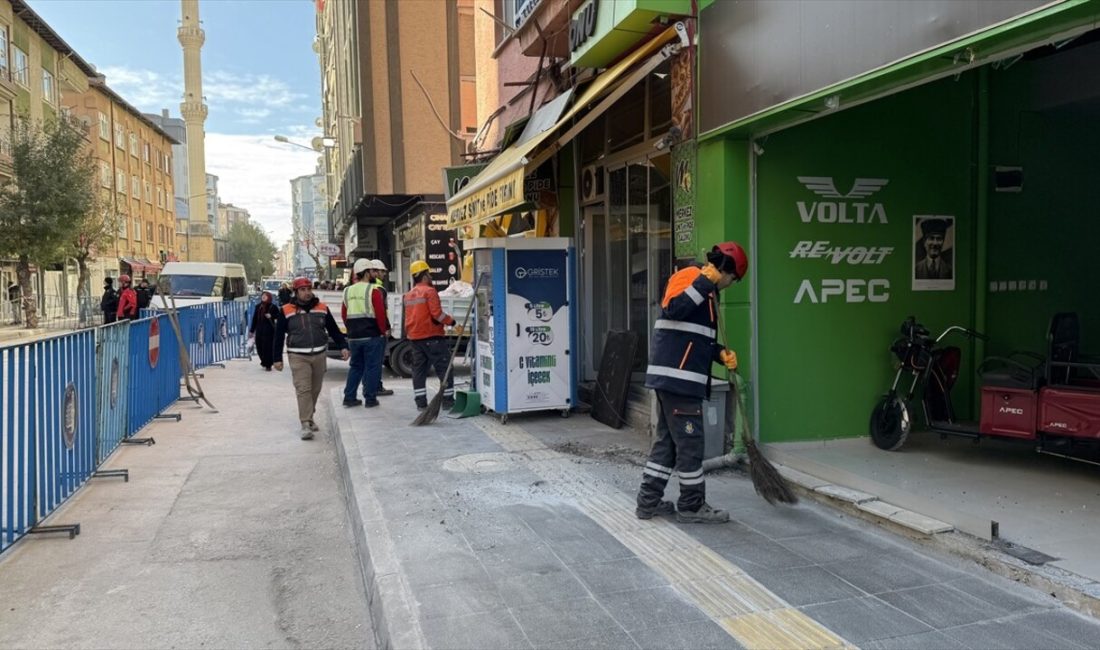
point(16, 445)
point(112, 383)
point(154, 371)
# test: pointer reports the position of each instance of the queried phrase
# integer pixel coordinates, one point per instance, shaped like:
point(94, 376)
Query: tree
point(96, 231)
point(249, 245)
point(309, 242)
point(52, 188)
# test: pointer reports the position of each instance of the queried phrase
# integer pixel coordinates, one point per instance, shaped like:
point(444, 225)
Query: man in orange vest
point(306, 325)
point(424, 322)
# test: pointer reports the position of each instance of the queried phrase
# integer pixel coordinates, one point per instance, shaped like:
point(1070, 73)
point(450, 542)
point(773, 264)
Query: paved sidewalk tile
point(865, 619)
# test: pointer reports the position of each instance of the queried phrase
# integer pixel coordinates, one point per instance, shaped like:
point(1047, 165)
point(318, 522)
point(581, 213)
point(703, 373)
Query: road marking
point(750, 613)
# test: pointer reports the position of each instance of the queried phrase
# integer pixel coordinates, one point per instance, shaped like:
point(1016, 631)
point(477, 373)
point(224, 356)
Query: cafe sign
point(494, 198)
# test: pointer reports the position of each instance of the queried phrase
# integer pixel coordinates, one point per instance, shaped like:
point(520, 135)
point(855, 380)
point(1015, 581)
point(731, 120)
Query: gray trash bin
point(715, 427)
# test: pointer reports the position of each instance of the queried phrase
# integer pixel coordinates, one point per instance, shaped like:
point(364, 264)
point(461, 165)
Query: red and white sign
point(154, 342)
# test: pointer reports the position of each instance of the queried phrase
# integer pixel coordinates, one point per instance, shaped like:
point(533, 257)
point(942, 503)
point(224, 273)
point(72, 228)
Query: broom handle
point(735, 392)
point(458, 339)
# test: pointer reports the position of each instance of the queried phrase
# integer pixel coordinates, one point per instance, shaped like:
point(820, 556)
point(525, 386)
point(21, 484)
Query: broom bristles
point(766, 479)
point(429, 415)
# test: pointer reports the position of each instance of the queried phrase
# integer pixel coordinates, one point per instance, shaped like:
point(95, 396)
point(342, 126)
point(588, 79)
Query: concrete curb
point(392, 609)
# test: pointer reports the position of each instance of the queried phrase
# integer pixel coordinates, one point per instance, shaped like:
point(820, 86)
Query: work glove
point(729, 359)
point(712, 273)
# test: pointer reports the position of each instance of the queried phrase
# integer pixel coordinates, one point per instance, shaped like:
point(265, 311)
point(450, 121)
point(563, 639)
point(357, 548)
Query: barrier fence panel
point(230, 329)
point(112, 382)
point(154, 370)
point(62, 412)
point(164, 356)
point(16, 445)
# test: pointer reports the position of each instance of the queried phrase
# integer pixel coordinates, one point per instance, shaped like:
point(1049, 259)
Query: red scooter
point(1052, 401)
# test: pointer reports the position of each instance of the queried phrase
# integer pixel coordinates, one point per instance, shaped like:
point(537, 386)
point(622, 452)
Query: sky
point(261, 78)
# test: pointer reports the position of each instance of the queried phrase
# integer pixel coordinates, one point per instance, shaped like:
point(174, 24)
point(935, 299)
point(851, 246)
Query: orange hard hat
point(301, 283)
point(124, 278)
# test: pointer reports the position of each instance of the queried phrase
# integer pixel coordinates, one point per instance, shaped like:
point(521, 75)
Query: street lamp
point(286, 140)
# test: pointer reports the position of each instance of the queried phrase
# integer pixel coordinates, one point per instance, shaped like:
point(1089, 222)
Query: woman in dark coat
point(263, 329)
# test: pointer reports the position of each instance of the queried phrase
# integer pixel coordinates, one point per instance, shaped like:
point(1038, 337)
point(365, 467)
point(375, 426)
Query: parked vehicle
point(399, 350)
point(1052, 401)
point(191, 283)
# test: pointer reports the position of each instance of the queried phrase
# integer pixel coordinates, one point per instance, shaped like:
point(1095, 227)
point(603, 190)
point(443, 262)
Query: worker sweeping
point(684, 347)
point(424, 322)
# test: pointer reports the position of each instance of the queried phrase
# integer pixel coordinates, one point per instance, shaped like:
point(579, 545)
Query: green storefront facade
point(837, 139)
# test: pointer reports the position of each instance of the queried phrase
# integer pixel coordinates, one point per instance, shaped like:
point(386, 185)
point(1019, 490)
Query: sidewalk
point(480, 535)
point(231, 533)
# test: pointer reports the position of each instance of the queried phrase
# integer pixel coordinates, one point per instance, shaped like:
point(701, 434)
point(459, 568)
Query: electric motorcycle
point(1051, 401)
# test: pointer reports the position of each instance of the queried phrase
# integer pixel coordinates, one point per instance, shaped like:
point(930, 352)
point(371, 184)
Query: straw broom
point(766, 479)
point(429, 415)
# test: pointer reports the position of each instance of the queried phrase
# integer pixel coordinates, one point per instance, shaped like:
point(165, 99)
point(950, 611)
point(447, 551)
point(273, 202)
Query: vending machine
point(524, 330)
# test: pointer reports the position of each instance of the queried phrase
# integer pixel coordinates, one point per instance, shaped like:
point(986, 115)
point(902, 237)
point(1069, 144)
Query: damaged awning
point(498, 189)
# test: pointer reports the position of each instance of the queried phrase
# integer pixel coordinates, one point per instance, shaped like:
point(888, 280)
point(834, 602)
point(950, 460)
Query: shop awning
point(499, 187)
point(134, 264)
point(150, 265)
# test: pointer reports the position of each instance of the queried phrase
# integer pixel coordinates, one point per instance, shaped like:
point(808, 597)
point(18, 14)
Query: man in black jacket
point(304, 325)
point(108, 304)
point(144, 294)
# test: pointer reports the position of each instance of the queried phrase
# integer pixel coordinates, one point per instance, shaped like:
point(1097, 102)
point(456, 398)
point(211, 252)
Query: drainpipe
point(981, 235)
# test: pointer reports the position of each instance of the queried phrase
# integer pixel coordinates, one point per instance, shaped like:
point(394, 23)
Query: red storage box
point(1008, 412)
point(1069, 412)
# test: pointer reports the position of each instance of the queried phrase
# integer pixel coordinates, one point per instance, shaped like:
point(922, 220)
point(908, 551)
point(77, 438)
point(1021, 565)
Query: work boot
point(662, 509)
point(306, 433)
point(704, 515)
point(421, 404)
point(352, 402)
point(370, 403)
point(313, 426)
point(382, 392)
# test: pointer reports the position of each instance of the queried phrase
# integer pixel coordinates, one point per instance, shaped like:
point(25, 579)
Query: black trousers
point(679, 448)
point(430, 354)
point(265, 345)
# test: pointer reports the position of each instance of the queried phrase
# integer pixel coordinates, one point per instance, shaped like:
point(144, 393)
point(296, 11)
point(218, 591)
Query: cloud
point(254, 173)
point(251, 96)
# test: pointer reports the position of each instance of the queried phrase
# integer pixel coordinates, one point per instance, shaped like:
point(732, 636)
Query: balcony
point(8, 88)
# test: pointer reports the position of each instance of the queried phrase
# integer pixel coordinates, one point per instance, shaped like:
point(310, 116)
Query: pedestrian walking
point(108, 304)
point(379, 271)
point(364, 313)
point(304, 325)
point(262, 329)
point(285, 294)
point(424, 322)
point(144, 294)
point(127, 299)
point(684, 347)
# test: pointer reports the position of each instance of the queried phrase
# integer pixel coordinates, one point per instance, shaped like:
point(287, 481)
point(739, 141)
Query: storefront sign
point(834, 207)
point(456, 178)
point(538, 329)
point(683, 200)
point(495, 198)
point(443, 256)
point(583, 25)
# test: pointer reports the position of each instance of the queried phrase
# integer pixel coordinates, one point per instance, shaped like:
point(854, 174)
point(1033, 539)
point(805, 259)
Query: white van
point(192, 283)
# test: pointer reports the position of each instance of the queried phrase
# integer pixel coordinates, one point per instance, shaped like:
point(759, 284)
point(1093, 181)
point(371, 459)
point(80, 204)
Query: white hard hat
point(378, 265)
point(360, 266)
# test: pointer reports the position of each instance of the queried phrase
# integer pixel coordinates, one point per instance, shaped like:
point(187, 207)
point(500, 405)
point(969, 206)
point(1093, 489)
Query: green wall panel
point(824, 360)
point(1043, 240)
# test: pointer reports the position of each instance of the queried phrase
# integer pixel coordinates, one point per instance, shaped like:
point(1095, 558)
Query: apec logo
point(536, 273)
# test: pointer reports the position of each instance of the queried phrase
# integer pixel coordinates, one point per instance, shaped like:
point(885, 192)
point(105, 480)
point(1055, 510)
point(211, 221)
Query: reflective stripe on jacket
point(306, 331)
point(424, 317)
point(684, 337)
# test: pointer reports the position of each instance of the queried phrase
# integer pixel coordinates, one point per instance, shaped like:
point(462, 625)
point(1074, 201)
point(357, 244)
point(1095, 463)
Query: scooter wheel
point(890, 424)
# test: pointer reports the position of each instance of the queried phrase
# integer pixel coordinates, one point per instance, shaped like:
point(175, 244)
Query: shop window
point(626, 120)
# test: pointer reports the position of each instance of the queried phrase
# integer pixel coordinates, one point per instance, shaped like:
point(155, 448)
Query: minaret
point(193, 110)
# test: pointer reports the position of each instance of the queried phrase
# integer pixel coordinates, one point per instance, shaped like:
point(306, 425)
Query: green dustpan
point(467, 404)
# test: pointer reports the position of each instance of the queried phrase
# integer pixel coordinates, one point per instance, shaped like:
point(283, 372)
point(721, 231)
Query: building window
point(120, 182)
point(120, 136)
point(4, 48)
point(149, 232)
point(105, 175)
point(160, 231)
point(133, 144)
point(122, 226)
point(160, 197)
point(48, 87)
point(135, 187)
point(517, 11)
point(21, 74)
point(104, 127)
point(137, 229)
point(146, 152)
point(148, 192)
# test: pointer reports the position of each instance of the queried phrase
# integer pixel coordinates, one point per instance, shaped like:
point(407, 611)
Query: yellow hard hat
point(417, 267)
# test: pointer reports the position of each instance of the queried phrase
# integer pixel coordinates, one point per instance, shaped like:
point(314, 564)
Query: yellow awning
point(499, 187)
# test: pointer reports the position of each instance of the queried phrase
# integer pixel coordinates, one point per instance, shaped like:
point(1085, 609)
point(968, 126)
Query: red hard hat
point(123, 278)
point(734, 252)
point(301, 283)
